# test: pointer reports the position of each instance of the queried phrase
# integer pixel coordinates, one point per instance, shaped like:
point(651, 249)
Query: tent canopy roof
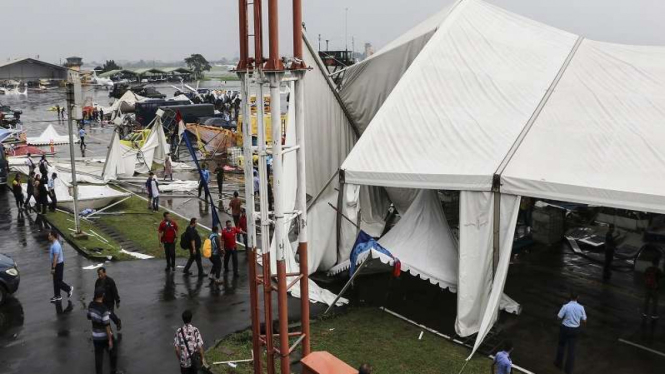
point(566, 118)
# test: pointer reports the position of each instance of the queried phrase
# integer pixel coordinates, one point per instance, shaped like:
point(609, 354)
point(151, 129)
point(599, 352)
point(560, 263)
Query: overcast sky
point(169, 30)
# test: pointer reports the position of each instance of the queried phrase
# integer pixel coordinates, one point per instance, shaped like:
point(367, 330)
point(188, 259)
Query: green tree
point(198, 64)
point(110, 65)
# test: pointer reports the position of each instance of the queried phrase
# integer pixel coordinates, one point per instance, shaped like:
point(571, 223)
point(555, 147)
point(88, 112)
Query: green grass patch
point(139, 225)
point(92, 245)
point(369, 335)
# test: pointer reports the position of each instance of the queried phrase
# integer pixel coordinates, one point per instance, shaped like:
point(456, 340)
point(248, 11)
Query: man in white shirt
point(51, 192)
point(572, 315)
point(154, 192)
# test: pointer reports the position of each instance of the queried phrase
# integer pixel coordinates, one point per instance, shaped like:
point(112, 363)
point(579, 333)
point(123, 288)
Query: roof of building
point(32, 61)
point(179, 69)
point(148, 70)
point(110, 73)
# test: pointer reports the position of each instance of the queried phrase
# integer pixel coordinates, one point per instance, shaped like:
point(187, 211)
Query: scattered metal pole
point(73, 90)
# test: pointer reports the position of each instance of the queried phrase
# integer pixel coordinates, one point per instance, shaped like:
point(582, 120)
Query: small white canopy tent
point(50, 136)
point(498, 106)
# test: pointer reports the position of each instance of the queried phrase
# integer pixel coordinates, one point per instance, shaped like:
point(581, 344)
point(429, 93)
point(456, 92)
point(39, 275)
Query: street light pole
point(73, 84)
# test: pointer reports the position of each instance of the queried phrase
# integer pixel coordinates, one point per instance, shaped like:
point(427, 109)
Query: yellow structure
point(267, 120)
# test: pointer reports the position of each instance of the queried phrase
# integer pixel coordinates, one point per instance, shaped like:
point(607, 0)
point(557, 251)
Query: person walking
point(82, 136)
point(30, 164)
point(148, 189)
point(235, 205)
point(41, 194)
point(243, 226)
point(188, 345)
point(204, 181)
point(102, 335)
point(168, 167)
point(43, 165)
point(257, 183)
point(101, 115)
point(167, 234)
point(653, 277)
point(51, 192)
point(219, 172)
point(610, 247)
point(230, 251)
point(62, 111)
point(502, 361)
point(216, 255)
point(154, 192)
point(111, 296)
point(572, 315)
point(57, 110)
point(194, 240)
point(18, 192)
point(30, 189)
point(57, 258)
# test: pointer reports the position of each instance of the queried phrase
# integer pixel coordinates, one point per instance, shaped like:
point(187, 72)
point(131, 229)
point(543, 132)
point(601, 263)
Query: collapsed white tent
point(123, 161)
point(497, 102)
point(50, 136)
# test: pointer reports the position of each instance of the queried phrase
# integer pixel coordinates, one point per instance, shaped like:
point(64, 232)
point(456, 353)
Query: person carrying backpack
point(653, 276)
point(216, 255)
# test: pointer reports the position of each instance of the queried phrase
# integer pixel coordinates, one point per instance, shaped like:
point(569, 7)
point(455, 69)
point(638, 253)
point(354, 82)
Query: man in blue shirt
point(82, 136)
point(57, 268)
point(204, 180)
point(572, 315)
point(502, 360)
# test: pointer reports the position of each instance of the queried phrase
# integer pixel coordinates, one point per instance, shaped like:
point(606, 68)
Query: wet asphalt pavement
point(37, 336)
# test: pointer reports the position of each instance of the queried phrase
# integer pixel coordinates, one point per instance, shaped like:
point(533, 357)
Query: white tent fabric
point(50, 136)
point(608, 110)
point(124, 104)
point(476, 256)
point(123, 161)
point(476, 83)
point(423, 243)
point(510, 206)
point(367, 84)
point(120, 162)
point(329, 136)
point(553, 115)
point(328, 133)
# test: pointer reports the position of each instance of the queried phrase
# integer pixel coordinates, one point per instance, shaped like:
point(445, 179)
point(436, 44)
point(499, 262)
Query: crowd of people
point(39, 186)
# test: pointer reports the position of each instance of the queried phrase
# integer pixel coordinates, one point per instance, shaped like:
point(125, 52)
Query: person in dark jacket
point(41, 194)
point(111, 295)
point(148, 188)
point(194, 249)
point(610, 248)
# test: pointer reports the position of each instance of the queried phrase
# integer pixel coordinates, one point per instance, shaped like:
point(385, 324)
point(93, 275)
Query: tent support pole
point(349, 283)
point(496, 223)
point(340, 202)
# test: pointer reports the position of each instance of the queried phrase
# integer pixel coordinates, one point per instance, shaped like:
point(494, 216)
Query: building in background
point(74, 63)
point(369, 50)
point(30, 70)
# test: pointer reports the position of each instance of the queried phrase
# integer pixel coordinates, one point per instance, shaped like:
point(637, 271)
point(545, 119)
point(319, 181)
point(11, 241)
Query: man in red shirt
point(229, 237)
point(167, 234)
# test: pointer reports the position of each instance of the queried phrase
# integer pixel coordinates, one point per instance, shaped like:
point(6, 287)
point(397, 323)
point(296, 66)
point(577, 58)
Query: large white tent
point(499, 106)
